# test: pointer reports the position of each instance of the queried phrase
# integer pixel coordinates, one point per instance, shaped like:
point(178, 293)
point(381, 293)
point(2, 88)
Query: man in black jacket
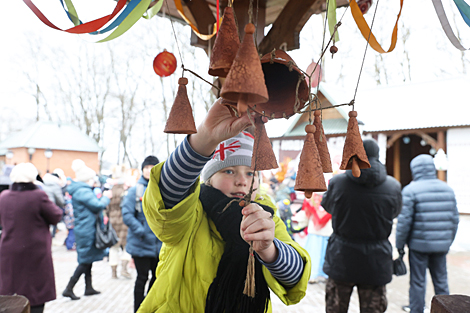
point(359, 252)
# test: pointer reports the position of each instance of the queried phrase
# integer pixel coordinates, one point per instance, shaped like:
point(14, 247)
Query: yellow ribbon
point(179, 7)
point(365, 30)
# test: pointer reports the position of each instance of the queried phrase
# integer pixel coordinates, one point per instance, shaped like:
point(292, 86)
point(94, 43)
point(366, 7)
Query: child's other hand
point(258, 226)
point(218, 125)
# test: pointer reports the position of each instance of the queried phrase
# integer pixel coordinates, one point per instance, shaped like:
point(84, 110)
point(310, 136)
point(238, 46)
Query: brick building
point(50, 145)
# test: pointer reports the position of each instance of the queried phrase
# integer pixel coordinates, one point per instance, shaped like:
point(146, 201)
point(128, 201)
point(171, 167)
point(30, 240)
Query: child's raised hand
point(258, 226)
point(218, 125)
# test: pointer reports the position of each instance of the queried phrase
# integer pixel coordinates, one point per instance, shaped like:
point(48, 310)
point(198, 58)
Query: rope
point(364, 57)
point(174, 33)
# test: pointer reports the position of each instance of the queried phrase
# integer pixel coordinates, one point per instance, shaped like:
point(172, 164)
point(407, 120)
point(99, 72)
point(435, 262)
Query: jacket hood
point(76, 185)
point(143, 181)
point(423, 166)
point(370, 177)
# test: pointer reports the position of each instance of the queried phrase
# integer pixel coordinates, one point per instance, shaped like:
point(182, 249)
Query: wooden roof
point(287, 17)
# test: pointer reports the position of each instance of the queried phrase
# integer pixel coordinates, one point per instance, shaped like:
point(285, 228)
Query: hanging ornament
point(320, 141)
point(245, 81)
point(317, 75)
point(333, 50)
point(354, 155)
point(364, 5)
point(263, 154)
point(225, 46)
point(180, 120)
point(310, 174)
point(287, 88)
point(164, 64)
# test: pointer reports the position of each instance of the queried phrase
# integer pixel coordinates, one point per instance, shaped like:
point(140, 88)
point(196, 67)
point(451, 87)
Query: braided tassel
point(250, 274)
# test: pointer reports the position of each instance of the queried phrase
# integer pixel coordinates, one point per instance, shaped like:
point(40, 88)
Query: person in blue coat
point(142, 243)
point(85, 208)
point(427, 224)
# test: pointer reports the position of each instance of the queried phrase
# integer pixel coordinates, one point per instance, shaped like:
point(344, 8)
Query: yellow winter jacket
point(191, 251)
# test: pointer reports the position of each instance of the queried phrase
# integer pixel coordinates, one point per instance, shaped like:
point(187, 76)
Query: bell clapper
point(308, 194)
point(356, 171)
point(242, 104)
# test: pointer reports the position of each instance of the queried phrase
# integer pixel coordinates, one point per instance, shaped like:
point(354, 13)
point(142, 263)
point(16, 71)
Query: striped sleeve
point(288, 267)
point(179, 173)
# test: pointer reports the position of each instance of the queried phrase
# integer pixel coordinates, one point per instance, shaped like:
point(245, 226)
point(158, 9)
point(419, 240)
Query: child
point(206, 235)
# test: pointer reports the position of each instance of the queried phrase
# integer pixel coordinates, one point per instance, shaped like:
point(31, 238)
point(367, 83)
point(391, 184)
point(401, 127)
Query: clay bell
point(245, 81)
point(320, 141)
point(180, 120)
point(354, 155)
point(310, 174)
point(282, 76)
point(225, 46)
point(263, 154)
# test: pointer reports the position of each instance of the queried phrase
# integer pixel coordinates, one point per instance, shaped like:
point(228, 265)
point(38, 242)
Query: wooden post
point(441, 144)
point(396, 160)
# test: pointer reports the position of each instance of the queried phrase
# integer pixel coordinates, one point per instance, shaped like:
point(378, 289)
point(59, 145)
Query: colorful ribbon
point(441, 14)
point(179, 7)
point(131, 14)
point(82, 28)
point(365, 30)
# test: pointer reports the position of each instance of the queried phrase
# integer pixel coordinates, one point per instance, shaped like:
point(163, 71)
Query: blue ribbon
point(127, 10)
point(464, 10)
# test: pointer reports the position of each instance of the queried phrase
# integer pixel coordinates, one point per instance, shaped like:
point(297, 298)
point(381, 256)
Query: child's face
point(235, 181)
point(146, 171)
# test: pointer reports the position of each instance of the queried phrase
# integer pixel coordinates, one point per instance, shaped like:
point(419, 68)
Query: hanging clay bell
point(310, 174)
point(180, 120)
point(354, 155)
point(320, 141)
point(225, 46)
point(263, 154)
point(245, 81)
point(282, 77)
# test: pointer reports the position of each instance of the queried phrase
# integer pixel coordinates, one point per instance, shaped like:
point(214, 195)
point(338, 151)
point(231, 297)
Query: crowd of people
point(195, 221)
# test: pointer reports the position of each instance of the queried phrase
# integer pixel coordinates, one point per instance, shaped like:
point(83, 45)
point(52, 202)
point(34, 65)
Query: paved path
point(117, 294)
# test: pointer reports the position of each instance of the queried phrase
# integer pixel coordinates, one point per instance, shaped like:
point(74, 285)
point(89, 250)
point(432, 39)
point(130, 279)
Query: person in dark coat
point(85, 208)
point(359, 252)
point(26, 266)
point(142, 243)
point(427, 224)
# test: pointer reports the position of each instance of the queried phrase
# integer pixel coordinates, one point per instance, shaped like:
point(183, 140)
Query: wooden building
point(50, 145)
point(406, 120)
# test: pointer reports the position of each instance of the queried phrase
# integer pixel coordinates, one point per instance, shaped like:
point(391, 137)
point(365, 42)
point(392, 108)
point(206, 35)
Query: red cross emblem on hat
point(222, 149)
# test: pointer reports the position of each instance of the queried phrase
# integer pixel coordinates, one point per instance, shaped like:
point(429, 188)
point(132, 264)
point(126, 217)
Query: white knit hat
point(235, 151)
point(24, 173)
point(82, 172)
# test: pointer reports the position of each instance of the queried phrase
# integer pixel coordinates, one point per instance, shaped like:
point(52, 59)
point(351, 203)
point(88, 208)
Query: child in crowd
point(206, 233)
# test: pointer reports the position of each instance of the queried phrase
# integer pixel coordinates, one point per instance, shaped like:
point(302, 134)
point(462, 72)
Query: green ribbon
point(129, 21)
point(153, 10)
point(331, 15)
point(72, 12)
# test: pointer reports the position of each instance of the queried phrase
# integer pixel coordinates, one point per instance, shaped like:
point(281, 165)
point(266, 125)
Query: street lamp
point(9, 155)
point(48, 155)
point(31, 152)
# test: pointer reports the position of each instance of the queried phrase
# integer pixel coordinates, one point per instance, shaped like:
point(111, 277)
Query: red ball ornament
point(164, 64)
